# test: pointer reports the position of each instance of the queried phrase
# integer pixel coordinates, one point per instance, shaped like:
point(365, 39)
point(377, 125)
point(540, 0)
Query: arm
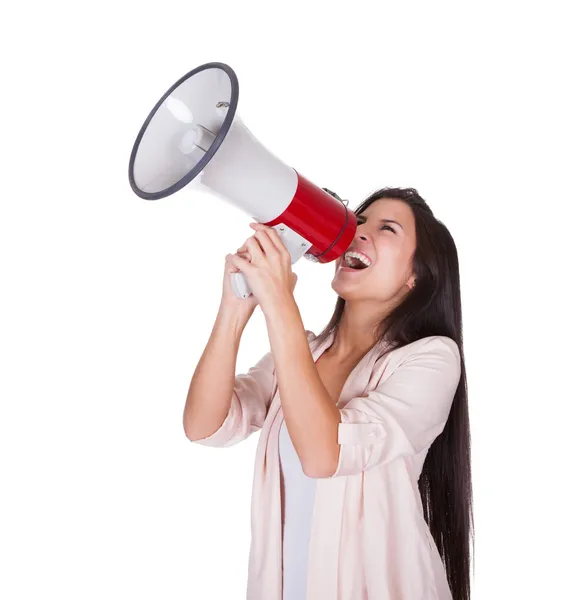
point(213, 378)
point(311, 415)
point(403, 415)
point(221, 409)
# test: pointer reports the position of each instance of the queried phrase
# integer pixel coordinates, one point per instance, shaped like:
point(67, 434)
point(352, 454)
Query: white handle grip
point(296, 246)
point(240, 285)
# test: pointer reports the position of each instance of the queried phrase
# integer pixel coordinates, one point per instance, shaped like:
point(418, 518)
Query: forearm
point(310, 414)
point(212, 384)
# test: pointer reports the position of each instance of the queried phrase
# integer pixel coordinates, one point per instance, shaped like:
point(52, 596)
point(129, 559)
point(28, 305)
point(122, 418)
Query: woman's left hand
point(268, 272)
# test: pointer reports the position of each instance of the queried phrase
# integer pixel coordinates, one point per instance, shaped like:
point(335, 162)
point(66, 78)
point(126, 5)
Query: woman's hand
point(268, 269)
point(230, 302)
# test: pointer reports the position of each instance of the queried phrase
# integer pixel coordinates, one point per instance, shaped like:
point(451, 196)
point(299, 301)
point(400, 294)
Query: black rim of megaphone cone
point(214, 146)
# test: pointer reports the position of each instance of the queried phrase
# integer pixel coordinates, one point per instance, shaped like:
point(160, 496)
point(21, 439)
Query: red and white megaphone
point(193, 135)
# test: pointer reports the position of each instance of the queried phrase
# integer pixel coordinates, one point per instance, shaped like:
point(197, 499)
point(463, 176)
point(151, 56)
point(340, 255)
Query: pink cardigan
point(369, 539)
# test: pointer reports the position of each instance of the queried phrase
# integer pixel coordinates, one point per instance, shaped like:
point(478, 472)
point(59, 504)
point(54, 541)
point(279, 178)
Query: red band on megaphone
point(321, 219)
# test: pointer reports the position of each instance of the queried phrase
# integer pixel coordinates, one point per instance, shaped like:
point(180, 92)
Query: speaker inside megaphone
point(194, 132)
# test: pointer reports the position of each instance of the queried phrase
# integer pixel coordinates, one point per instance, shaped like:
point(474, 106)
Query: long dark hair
point(433, 307)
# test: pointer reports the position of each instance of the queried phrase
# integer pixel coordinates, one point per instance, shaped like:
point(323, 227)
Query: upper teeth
point(361, 257)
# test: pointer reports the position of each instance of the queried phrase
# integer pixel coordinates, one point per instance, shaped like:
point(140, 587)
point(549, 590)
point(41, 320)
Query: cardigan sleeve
point(249, 405)
point(405, 413)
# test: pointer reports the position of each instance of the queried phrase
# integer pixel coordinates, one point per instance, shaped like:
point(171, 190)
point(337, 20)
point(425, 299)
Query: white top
point(298, 496)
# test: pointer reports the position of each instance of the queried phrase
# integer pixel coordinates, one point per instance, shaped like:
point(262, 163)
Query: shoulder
point(434, 344)
point(437, 350)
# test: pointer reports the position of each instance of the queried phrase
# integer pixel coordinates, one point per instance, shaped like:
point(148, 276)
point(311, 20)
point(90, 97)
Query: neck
point(356, 332)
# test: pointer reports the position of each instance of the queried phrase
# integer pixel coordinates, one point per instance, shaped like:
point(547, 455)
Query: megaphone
point(194, 137)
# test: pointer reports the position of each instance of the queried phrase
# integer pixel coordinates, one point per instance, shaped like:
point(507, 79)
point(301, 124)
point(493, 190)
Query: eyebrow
point(382, 221)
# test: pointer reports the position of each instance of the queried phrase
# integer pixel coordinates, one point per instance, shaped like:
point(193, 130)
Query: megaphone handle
point(240, 285)
point(295, 244)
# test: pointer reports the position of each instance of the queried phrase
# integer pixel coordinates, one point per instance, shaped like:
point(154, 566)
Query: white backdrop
point(108, 300)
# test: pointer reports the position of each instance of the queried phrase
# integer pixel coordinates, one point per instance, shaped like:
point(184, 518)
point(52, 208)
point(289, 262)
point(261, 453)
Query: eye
point(361, 220)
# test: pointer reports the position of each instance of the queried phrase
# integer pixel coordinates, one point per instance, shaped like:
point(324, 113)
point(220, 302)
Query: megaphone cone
point(194, 131)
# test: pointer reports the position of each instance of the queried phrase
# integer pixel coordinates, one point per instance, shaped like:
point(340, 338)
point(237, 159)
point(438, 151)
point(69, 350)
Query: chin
point(344, 289)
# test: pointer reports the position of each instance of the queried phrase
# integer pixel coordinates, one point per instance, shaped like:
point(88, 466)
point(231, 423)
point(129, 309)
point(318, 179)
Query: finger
point(256, 251)
point(267, 244)
point(242, 251)
point(273, 236)
point(229, 265)
point(240, 263)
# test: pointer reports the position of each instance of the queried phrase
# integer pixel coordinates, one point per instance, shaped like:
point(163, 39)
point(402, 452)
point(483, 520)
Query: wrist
point(232, 320)
point(282, 306)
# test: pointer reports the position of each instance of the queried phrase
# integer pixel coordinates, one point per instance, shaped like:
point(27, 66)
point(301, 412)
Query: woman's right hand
point(230, 301)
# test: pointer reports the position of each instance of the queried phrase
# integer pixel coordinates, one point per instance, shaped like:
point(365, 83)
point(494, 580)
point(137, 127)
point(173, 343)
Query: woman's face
point(389, 247)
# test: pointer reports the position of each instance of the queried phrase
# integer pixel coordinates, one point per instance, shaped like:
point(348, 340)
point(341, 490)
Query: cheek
point(387, 272)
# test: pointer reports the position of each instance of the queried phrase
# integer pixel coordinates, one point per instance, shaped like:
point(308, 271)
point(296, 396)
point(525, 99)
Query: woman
point(362, 482)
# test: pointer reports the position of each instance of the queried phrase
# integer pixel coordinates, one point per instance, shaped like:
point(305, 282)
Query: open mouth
point(355, 261)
